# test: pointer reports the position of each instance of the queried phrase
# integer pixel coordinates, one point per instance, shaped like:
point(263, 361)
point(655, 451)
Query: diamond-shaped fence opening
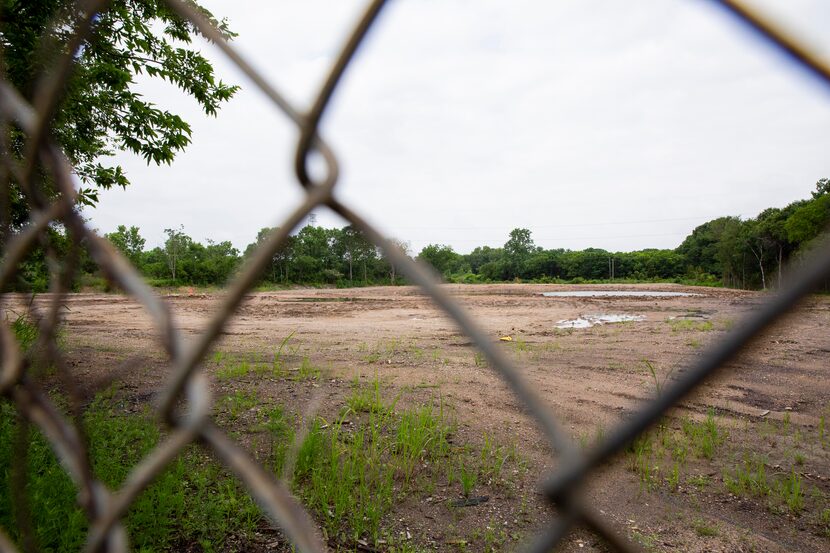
point(186, 385)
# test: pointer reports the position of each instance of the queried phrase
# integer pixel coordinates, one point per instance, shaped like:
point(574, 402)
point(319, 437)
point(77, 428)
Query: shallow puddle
point(617, 294)
point(587, 321)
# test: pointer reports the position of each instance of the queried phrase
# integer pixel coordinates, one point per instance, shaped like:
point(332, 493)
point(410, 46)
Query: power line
point(567, 225)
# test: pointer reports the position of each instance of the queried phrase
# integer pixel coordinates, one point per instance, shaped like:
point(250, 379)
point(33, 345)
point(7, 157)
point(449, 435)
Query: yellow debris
point(506, 338)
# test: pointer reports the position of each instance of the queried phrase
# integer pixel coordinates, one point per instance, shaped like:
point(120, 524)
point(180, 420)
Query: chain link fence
point(186, 385)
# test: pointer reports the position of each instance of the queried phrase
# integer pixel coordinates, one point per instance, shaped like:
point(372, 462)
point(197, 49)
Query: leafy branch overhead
point(102, 112)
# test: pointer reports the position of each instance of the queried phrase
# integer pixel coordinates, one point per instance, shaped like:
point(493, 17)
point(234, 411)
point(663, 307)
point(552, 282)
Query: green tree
point(442, 258)
point(714, 248)
point(129, 242)
point(218, 262)
point(278, 268)
point(101, 110)
point(482, 255)
point(822, 188)
point(175, 247)
point(393, 268)
point(350, 238)
point(517, 251)
point(311, 251)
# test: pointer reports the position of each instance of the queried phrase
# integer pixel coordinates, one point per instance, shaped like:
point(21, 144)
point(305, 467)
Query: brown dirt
point(591, 379)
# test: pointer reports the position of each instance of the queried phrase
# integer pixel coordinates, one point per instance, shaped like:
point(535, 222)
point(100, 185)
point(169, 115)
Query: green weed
point(699, 481)
point(704, 529)
point(233, 371)
point(468, 477)
point(689, 325)
point(420, 433)
point(346, 475)
point(750, 478)
point(824, 519)
point(306, 371)
point(239, 402)
point(520, 346)
point(193, 501)
point(493, 458)
point(659, 383)
point(25, 331)
point(705, 436)
point(279, 429)
point(641, 460)
point(674, 477)
point(790, 489)
point(648, 541)
point(367, 399)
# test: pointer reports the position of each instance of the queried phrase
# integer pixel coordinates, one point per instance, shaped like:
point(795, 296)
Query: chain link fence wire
point(188, 386)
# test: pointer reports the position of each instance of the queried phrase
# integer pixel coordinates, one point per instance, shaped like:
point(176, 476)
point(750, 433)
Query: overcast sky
point(620, 125)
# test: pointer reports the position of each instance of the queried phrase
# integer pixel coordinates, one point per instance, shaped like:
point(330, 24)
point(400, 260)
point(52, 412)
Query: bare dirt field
point(744, 465)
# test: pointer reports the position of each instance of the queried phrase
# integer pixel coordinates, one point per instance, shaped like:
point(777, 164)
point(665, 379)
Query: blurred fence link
point(186, 385)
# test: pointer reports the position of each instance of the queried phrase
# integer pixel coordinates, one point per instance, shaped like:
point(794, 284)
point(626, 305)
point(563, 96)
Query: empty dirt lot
point(741, 466)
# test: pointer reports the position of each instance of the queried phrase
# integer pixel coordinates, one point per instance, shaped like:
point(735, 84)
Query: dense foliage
point(726, 251)
point(101, 110)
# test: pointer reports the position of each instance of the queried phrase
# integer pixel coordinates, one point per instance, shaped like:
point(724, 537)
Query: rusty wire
point(105, 508)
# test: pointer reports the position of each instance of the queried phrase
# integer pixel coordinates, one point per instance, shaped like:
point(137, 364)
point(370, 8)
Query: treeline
point(313, 256)
point(726, 251)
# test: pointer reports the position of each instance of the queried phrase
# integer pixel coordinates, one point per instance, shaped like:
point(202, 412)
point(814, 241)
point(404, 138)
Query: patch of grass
point(340, 476)
point(494, 541)
point(234, 370)
point(659, 383)
point(641, 460)
point(824, 520)
point(690, 325)
point(493, 458)
point(306, 371)
point(648, 541)
point(346, 474)
point(373, 357)
point(706, 436)
point(699, 481)
point(193, 501)
point(704, 529)
point(468, 477)
point(790, 489)
point(25, 331)
point(520, 345)
point(389, 348)
point(674, 477)
point(368, 399)
point(480, 360)
point(275, 422)
point(239, 402)
point(420, 433)
point(279, 355)
point(749, 478)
